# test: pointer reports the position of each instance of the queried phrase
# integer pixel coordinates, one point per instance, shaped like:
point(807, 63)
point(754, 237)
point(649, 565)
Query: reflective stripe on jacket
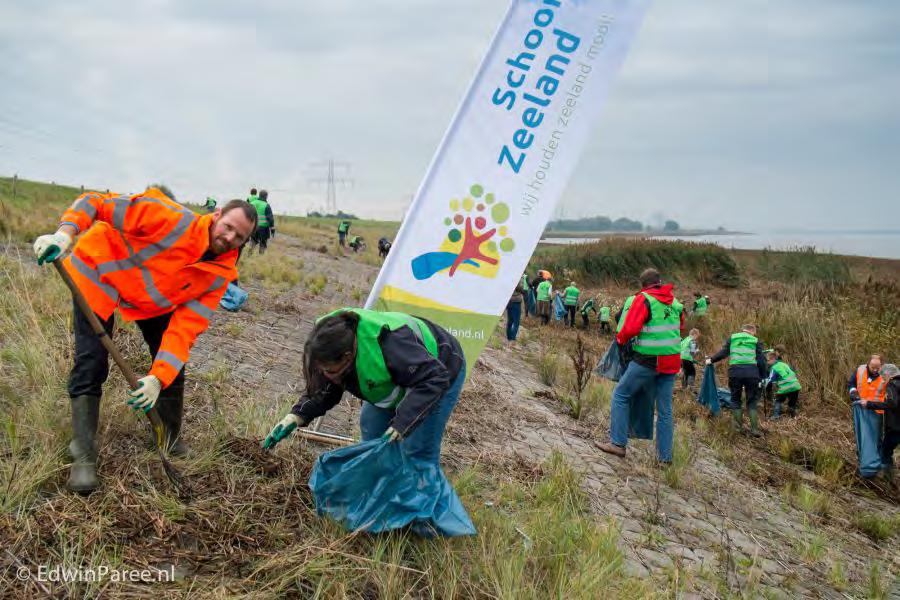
point(141, 254)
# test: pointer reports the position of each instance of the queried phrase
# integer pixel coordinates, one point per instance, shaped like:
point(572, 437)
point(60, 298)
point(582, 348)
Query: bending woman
point(409, 371)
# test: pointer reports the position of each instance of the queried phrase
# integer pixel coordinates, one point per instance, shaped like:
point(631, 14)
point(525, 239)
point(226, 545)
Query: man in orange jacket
point(160, 265)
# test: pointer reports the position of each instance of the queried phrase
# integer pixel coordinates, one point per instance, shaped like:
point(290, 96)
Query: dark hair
point(252, 191)
point(263, 194)
point(245, 207)
point(331, 338)
point(649, 277)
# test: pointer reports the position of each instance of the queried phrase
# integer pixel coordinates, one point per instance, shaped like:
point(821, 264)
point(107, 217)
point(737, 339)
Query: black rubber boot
point(737, 419)
point(754, 423)
point(83, 447)
point(171, 410)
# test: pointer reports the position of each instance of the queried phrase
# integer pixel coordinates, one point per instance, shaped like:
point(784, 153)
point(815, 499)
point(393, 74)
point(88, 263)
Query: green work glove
point(49, 247)
point(144, 396)
point(284, 428)
point(391, 435)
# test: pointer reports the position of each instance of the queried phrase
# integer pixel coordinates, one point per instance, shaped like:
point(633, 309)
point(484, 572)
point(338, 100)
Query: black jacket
point(411, 366)
point(759, 370)
point(890, 406)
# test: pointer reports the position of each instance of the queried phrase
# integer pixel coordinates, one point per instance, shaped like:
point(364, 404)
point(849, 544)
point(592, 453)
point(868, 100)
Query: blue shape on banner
point(426, 265)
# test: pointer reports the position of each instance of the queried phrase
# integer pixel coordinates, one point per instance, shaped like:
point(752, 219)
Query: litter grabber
point(156, 423)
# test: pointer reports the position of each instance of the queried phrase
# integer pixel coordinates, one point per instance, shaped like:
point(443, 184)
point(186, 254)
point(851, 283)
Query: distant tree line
point(600, 223)
point(340, 215)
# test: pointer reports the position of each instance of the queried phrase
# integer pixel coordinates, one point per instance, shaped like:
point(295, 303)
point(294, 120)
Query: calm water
point(881, 244)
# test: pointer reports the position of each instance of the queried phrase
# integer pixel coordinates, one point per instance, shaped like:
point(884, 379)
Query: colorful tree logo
point(468, 245)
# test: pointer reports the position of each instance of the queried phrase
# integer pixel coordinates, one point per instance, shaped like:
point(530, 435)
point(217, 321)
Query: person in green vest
point(590, 305)
point(265, 219)
point(654, 320)
point(408, 371)
point(253, 195)
point(701, 305)
point(570, 300)
point(689, 352)
point(528, 296)
point(787, 387)
point(210, 205)
point(343, 230)
point(357, 243)
point(746, 369)
point(544, 295)
point(605, 318)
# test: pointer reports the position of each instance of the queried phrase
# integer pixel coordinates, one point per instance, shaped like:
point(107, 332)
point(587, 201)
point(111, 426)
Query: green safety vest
point(661, 335)
point(343, 227)
point(787, 381)
point(604, 314)
point(743, 349)
point(686, 349)
point(543, 291)
point(260, 206)
point(374, 380)
point(210, 203)
point(625, 308)
point(525, 282)
point(589, 305)
point(571, 296)
point(700, 306)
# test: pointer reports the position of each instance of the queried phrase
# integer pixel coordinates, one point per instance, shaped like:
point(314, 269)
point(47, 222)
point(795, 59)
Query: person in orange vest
point(866, 382)
point(163, 267)
point(890, 406)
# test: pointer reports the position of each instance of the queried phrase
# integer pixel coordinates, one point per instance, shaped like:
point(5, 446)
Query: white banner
point(504, 162)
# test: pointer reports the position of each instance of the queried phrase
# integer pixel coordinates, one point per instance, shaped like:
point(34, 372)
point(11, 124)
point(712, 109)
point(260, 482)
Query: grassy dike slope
point(781, 517)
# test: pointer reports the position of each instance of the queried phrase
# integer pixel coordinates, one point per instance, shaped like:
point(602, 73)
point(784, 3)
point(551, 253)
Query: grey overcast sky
point(745, 113)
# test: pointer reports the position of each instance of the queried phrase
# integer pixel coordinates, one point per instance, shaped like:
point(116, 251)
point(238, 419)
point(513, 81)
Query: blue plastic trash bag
point(374, 486)
point(724, 397)
point(530, 302)
point(559, 309)
point(234, 298)
point(709, 393)
point(867, 425)
point(610, 365)
point(640, 414)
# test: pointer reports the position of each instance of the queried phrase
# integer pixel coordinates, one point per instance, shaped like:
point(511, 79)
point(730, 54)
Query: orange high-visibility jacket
point(869, 390)
point(140, 254)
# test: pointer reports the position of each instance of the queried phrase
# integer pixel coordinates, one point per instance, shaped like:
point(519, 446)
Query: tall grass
point(804, 265)
point(621, 260)
point(826, 337)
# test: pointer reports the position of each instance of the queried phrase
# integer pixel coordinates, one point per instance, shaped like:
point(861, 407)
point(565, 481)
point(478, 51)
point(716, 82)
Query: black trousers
point(261, 237)
point(744, 385)
point(604, 326)
point(570, 316)
point(585, 320)
point(688, 371)
point(888, 445)
point(91, 366)
point(792, 398)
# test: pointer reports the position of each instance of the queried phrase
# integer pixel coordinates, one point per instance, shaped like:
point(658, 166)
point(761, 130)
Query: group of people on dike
point(653, 339)
point(166, 268)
